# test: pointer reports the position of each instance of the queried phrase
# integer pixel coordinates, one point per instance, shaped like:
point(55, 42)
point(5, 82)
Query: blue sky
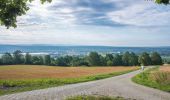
point(92, 22)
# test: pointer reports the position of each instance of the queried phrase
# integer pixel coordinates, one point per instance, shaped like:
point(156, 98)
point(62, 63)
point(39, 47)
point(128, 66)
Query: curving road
point(115, 86)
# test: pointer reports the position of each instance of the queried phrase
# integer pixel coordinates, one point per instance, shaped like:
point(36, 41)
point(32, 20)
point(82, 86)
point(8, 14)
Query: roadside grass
point(13, 86)
point(84, 97)
point(154, 78)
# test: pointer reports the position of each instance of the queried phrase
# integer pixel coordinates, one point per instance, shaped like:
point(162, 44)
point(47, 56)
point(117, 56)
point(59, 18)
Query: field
point(158, 77)
point(36, 72)
point(19, 78)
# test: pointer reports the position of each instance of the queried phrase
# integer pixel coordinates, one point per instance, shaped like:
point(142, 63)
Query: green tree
point(144, 59)
point(18, 57)
point(11, 9)
point(53, 62)
point(162, 2)
point(0, 61)
point(125, 58)
point(61, 62)
point(37, 60)
point(133, 59)
point(109, 59)
point(94, 59)
point(7, 59)
point(117, 60)
point(28, 59)
point(47, 60)
point(156, 59)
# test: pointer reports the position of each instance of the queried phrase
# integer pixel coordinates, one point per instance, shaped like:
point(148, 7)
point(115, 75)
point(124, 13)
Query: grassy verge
point(153, 78)
point(95, 98)
point(13, 86)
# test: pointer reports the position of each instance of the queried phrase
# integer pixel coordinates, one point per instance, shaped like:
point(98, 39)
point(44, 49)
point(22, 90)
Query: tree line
point(93, 59)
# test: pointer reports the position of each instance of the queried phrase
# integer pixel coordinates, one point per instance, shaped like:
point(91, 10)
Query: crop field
point(37, 71)
point(19, 78)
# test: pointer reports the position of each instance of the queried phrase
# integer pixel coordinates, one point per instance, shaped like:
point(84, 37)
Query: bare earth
point(115, 86)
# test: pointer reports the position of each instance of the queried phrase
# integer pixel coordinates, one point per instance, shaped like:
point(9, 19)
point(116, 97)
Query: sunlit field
point(38, 71)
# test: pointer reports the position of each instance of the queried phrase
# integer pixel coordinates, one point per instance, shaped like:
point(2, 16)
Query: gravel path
point(115, 86)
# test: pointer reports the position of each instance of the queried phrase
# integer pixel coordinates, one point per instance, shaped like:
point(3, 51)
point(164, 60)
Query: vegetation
point(154, 78)
point(162, 2)
point(93, 59)
point(24, 83)
point(11, 9)
point(84, 97)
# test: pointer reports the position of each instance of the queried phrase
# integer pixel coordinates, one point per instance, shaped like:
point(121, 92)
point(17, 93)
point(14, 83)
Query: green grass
point(145, 78)
point(13, 86)
point(95, 98)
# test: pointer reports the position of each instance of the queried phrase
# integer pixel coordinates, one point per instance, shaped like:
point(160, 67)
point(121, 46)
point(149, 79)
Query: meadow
point(157, 77)
point(19, 78)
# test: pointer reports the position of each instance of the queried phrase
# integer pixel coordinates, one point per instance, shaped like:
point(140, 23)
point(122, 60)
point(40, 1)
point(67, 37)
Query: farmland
point(18, 78)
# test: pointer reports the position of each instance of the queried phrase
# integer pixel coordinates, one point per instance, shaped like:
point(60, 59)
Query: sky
point(135, 23)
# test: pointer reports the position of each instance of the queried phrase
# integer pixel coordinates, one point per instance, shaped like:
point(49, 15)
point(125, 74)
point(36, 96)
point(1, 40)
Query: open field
point(20, 78)
point(158, 77)
point(36, 71)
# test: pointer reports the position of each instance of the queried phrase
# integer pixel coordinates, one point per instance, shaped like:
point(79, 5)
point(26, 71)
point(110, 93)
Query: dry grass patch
point(37, 71)
point(165, 68)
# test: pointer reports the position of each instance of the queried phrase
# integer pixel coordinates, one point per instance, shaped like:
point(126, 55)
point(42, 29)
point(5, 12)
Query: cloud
point(92, 22)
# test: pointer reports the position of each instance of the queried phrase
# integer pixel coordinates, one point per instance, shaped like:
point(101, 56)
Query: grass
point(95, 98)
point(8, 86)
point(155, 78)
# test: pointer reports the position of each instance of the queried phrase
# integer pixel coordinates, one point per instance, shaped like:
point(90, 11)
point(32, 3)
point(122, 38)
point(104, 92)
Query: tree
point(61, 62)
point(144, 59)
point(94, 59)
point(117, 60)
point(125, 58)
point(109, 59)
point(133, 59)
point(7, 59)
point(11, 9)
point(53, 62)
point(162, 2)
point(18, 57)
point(156, 59)
point(28, 59)
point(37, 60)
point(0, 61)
point(47, 60)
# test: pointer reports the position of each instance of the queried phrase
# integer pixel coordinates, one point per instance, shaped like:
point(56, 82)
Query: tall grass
point(161, 77)
point(154, 78)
